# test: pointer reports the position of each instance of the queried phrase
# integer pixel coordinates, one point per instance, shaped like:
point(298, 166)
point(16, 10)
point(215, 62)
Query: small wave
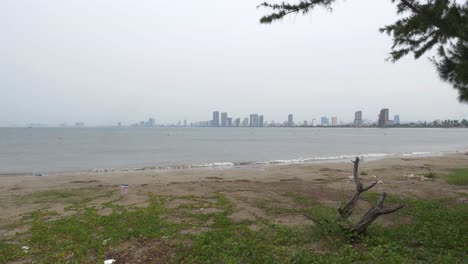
point(215, 164)
point(300, 160)
point(342, 157)
point(324, 158)
point(421, 153)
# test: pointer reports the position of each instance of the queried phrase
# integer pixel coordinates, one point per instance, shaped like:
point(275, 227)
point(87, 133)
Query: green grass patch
point(9, 252)
point(80, 238)
point(239, 244)
point(458, 177)
point(429, 174)
point(425, 231)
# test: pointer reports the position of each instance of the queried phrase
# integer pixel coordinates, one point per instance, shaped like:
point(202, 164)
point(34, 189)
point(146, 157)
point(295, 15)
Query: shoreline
point(246, 164)
point(199, 173)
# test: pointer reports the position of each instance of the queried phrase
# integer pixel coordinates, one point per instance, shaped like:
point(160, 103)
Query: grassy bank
point(201, 229)
point(458, 177)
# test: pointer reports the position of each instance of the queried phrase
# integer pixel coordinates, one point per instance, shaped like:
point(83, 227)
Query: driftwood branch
point(345, 211)
point(374, 213)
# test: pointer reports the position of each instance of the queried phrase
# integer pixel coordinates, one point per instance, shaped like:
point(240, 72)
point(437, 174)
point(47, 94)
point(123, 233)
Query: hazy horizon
point(116, 61)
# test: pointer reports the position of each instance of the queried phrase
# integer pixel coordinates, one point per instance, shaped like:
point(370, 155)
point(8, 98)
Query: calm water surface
point(47, 150)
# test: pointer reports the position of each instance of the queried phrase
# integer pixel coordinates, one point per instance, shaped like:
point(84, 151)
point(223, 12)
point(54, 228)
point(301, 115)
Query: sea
point(56, 150)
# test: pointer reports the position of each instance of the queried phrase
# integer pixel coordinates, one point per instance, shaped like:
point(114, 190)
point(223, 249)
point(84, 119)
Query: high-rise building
point(334, 121)
point(383, 117)
point(260, 121)
point(254, 120)
point(215, 119)
point(396, 120)
point(290, 120)
point(151, 122)
point(245, 122)
point(358, 118)
point(237, 122)
point(224, 117)
point(229, 121)
point(185, 123)
point(324, 121)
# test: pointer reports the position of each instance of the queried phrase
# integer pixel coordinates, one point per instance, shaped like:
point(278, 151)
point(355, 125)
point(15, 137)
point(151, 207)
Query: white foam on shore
point(417, 154)
point(300, 160)
point(324, 158)
point(344, 157)
point(214, 164)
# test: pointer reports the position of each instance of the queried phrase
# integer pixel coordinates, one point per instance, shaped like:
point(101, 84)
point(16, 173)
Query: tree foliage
point(426, 24)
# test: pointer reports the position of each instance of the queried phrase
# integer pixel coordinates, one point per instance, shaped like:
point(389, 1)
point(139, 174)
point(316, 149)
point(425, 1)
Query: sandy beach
point(246, 187)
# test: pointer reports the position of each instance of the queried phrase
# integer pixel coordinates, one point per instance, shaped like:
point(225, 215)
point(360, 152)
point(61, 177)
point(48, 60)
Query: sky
point(108, 61)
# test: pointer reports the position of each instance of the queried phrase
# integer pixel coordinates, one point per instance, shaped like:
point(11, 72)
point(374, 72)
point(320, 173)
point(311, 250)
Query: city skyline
point(103, 71)
point(223, 119)
point(347, 117)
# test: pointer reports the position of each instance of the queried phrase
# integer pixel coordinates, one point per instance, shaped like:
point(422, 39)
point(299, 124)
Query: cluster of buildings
point(325, 121)
point(77, 124)
point(151, 122)
point(224, 120)
point(383, 119)
point(255, 120)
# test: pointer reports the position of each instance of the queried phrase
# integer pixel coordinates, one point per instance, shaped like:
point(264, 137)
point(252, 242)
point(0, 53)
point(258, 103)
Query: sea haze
point(50, 150)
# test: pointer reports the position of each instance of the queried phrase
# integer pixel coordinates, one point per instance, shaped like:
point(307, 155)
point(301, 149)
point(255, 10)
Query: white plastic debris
point(105, 241)
point(418, 177)
point(379, 182)
point(423, 178)
point(25, 249)
point(109, 261)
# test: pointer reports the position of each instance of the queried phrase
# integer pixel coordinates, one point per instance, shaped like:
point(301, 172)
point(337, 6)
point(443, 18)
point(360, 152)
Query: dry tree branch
point(347, 210)
point(373, 213)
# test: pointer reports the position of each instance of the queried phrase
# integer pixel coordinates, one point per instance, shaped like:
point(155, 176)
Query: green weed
point(429, 174)
point(425, 231)
point(458, 177)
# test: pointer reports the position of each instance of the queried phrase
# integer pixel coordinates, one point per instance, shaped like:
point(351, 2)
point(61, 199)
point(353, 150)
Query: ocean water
point(50, 150)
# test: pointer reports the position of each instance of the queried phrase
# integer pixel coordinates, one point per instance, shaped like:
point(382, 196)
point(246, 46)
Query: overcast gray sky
point(112, 60)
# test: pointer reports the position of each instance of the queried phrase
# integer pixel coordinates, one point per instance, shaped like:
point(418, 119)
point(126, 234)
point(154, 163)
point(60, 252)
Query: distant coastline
point(240, 127)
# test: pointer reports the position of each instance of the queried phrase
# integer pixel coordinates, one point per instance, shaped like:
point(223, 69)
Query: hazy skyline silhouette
point(103, 62)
